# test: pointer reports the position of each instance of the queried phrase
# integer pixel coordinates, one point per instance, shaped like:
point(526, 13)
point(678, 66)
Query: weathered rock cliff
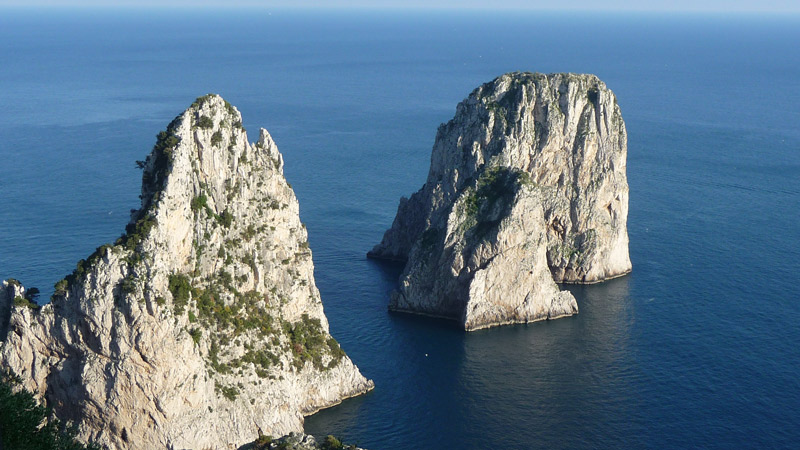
point(526, 188)
point(201, 327)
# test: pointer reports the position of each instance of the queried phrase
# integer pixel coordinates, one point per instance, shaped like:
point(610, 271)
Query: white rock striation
point(202, 326)
point(526, 188)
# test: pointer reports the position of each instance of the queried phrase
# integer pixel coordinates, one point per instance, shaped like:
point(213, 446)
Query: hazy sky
point(614, 5)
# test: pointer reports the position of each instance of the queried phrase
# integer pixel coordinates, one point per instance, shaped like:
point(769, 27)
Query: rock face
point(201, 327)
point(526, 188)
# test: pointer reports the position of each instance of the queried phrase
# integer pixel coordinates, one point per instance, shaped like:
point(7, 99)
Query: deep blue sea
point(698, 348)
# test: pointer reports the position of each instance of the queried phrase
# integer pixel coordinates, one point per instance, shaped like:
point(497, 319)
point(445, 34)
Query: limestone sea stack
point(201, 327)
point(527, 187)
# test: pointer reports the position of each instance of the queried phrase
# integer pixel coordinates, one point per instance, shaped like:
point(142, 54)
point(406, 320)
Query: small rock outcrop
point(201, 327)
point(298, 441)
point(526, 188)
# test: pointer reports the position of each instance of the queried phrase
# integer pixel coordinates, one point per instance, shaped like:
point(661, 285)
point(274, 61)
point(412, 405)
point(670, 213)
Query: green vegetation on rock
point(24, 302)
point(61, 287)
point(200, 101)
point(27, 425)
point(494, 184)
point(216, 138)
point(225, 219)
point(204, 122)
point(229, 392)
point(297, 441)
point(128, 284)
point(181, 291)
point(161, 159)
point(196, 334)
point(199, 202)
point(136, 232)
point(332, 443)
point(309, 343)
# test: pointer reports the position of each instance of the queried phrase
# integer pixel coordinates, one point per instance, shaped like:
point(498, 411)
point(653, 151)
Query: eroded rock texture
point(201, 327)
point(526, 188)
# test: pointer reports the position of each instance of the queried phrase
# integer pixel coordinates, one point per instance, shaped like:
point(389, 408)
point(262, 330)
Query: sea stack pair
point(202, 327)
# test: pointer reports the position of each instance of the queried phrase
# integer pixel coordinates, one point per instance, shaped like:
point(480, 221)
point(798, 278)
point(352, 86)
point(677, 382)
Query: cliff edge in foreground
point(526, 188)
point(201, 327)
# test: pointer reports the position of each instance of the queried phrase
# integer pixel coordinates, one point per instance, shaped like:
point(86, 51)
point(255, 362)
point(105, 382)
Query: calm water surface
point(698, 347)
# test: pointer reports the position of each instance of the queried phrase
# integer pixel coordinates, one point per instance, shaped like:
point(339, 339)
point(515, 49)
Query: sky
point(773, 6)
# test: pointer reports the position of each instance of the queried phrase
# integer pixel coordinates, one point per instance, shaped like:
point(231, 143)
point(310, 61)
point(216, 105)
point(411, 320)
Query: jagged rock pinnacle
point(201, 326)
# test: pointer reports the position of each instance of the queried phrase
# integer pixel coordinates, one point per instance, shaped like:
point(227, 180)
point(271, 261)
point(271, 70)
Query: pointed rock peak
point(205, 309)
point(266, 143)
point(210, 127)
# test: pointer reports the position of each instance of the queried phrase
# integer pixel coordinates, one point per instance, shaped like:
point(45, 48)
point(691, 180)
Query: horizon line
point(389, 8)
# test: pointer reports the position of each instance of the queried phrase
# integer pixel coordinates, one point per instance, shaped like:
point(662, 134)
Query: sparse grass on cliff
point(22, 301)
point(308, 343)
point(181, 289)
point(204, 122)
point(216, 138)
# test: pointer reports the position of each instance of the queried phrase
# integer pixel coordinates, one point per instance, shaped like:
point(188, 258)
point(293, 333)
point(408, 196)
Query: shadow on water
point(537, 378)
point(389, 271)
point(534, 379)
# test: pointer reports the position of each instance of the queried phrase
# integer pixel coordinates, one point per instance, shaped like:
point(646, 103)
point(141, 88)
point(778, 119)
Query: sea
point(699, 347)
